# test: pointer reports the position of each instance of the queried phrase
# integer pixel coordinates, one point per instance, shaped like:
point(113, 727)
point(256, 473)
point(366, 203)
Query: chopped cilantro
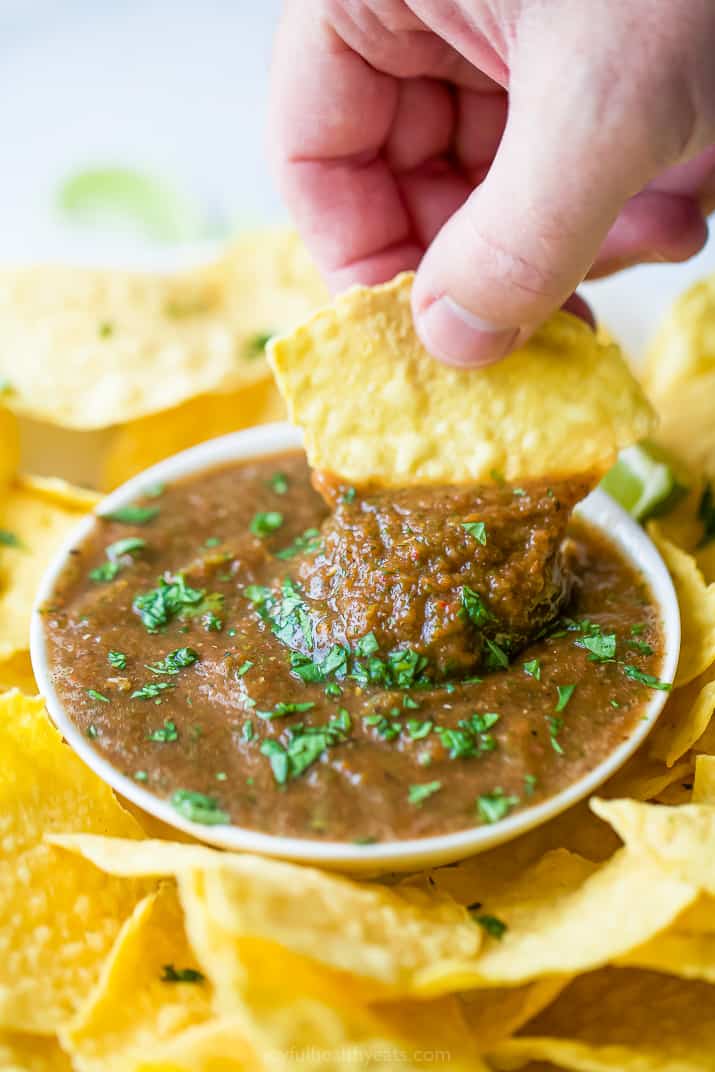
point(105, 329)
point(417, 794)
point(305, 746)
point(530, 783)
point(555, 727)
point(117, 659)
point(174, 661)
point(706, 514)
point(645, 679)
point(244, 668)
point(384, 727)
point(279, 483)
point(477, 529)
point(92, 731)
point(518, 491)
point(282, 709)
point(471, 736)
point(636, 630)
point(220, 776)
point(497, 659)
point(474, 607)
point(263, 524)
point(418, 728)
point(170, 974)
point(494, 926)
point(366, 645)
point(247, 731)
point(212, 541)
point(495, 805)
point(640, 646)
point(167, 733)
point(334, 662)
point(100, 697)
point(309, 543)
point(105, 573)
point(288, 614)
point(212, 623)
point(565, 692)
point(533, 669)
point(169, 599)
point(132, 545)
point(9, 539)
point(151, 690)
point(333, 690)
point(132, 514)
point(198, 808)
point(614, 703)
point(348, 496)
point(602, 646)
point(410, 702)
point(140, 776)
point(365, 839)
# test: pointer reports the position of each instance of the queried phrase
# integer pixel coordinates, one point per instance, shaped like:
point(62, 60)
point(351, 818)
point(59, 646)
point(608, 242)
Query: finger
point(652, 227)
point(527, 236)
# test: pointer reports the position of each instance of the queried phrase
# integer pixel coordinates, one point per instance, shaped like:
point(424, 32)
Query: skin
point(506, 149)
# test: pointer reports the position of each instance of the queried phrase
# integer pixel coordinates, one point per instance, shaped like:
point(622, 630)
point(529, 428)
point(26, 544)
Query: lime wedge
point(115, 196)
point(645, 481)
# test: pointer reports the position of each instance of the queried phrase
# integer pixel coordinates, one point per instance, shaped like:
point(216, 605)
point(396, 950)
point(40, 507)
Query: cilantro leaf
point(645, 679)
point(417, 794)
point(263, 524)
point(198, 808)
point(132, 514)
point(565, 692)
point(477, 529)
point(494, 806)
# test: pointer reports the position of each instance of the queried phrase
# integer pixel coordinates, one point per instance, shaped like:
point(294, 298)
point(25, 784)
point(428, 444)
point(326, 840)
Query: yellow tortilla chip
point(58, 914)
point(32, 1053)
point(683, 527)
point(678, 839)
point(16, 673)
point(684, 347)
point(392, 937)
point(137, 1004)
point(697, 609)
point(704, 784)
point(39, 517)
point(687, 425)
point(496, 1014)
point(685, 718)
point(621, 1020)
point(686, 948)
point(88, 348)
point(375, 407)
point(59, 492)
point(9, 445)
point(139, 444)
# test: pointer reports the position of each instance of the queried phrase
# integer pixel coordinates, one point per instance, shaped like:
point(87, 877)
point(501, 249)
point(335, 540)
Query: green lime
point(646, 481)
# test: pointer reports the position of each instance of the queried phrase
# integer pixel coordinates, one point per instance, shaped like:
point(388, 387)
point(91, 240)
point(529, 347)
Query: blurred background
point(174, 93)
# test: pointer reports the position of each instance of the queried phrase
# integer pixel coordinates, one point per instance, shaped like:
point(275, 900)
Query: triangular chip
point(88, 348)
point(376, 408)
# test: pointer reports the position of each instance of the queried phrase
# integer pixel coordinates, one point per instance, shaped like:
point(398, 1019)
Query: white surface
point(398, 856)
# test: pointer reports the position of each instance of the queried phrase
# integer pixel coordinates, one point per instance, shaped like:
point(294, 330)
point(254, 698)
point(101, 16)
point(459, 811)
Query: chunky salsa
point(353, 665)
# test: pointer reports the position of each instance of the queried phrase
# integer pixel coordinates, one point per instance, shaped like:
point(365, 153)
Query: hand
point(510, 148)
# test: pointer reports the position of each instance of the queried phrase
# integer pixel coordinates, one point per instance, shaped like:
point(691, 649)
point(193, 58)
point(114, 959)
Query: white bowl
point(598, 508)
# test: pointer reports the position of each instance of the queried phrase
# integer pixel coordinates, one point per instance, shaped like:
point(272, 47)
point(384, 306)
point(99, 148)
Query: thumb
point(525, 238)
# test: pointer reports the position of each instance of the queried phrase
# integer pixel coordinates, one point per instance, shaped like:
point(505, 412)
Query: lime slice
point(645, 481)
point(117, 196)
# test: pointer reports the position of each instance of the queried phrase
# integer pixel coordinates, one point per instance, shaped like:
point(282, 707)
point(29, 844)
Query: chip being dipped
point(376, 408)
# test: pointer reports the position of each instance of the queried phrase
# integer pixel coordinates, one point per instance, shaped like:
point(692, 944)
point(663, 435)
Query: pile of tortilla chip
point(587, 944)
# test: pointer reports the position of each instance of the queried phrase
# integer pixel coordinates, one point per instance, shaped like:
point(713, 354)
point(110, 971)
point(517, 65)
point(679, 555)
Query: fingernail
point(458, 337)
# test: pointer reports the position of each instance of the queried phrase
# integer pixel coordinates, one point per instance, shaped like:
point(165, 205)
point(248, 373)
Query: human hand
point(510, 148)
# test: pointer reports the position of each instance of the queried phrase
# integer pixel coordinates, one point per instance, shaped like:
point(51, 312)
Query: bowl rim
point(265, 440)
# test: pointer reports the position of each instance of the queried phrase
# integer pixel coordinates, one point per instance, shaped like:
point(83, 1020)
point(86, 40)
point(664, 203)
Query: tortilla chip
point(686, 948)
point(88, 348)
point(376, 408)
point(16, 673)
point(32, 1053)
point(678, 839)
point(134, 1007)
point(59, 492)
point(697, 608)
point(621, 1020)
point(684, 347)
point(683, 527)
point(687, 422)
point(9, 445)
point(494, 1015)
point(58, 914)
point(141, 443)
point(685, 719)
point(391, 936)
point(704, 784)
point(40, 518)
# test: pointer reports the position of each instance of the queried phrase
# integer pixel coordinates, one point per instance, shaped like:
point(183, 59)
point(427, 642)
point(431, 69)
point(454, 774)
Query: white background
point(177, 87)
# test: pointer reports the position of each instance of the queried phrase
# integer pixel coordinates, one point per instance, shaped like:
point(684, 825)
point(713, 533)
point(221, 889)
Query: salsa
point(355, 665)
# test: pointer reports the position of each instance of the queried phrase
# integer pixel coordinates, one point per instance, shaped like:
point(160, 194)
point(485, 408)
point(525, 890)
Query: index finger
point(330, 114)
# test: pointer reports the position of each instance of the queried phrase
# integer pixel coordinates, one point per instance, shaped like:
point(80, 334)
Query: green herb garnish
point(117, 659)
point(474, 607)
point(198, 808)
point(308, 543)
point(132, 514)
point(495, 805)
point(565, 692)
point(9, 539)
point(170, 974)
point(100, 697)
point(305, 746)
point(263, 524)
point(471, 737)
point(174, 661)
point(151, 690)
point(256, 345)
point(279, 483)
point(167, 733)
point(169, 599)
point(244, 668)
point(645, 679)
point(497, 659)
point(282, 709)
point(494, 926)
point(417, 794)
point(533, 669)
point(477, 529)
point(602, 646)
